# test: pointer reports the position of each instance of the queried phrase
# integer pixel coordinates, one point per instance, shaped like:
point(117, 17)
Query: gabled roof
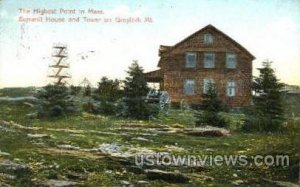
point(216, 30)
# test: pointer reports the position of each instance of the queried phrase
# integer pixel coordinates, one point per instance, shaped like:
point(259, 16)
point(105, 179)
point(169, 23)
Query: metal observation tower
point(59, 68)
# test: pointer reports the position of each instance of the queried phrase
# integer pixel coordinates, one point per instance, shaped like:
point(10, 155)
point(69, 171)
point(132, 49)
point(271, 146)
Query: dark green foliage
point(134, 94)
point(88, 90)
point(211, 106)
point(108, 93)
point(75, 90)
point(55, 101)
point(268, 113)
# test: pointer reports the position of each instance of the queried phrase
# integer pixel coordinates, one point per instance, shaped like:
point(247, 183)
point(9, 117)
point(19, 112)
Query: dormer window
point(208, 39)
point(190, 59)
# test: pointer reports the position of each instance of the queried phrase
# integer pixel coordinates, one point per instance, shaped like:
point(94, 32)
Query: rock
point(14, 166)
point(58, 183)
point(75, 176)
point(207, 131)
point(7, 176)
point(136, 170)
point(32, 115)
point(4, 153)
point(77, 135)
point(5, 185)
point(237, 182)
point(143, 183)
point(132, 125)
point(168, 176)
point(125, 183)
point(281, 183)
point(208, 178)
point(209, 150)
point(141, 139)
point(69, 147)
point(38, 135)
point(28, 104)
point(174, 148)
point(40, 144)
point(176, 125)
point(109, 148)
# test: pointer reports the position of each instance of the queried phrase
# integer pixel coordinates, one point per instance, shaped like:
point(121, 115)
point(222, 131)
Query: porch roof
point(154, 76)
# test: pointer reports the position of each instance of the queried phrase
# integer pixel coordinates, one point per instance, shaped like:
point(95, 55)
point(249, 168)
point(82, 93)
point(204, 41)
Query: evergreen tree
point(211, 106)
point(55, 101)
point(88, 90)
point(75, 90)
point(268, 99)
point(108, 92)
point(134, 94)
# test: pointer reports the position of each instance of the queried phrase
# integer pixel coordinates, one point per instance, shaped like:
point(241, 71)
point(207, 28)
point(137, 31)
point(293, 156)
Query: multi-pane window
point(209, 60)
point(189, 87)
point(190, 59)
point(208, 38)
point(230, 60)
point(206, 84)
point(231, 88)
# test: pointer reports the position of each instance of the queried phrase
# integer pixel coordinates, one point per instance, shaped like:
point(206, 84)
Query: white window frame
point(206, 63)
point(189, 64)
point(231, 61)
point(231, 88)
point(208, 38)
point(206, 82)
point(189, 83)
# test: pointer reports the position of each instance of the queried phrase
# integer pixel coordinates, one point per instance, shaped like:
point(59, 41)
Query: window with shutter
point(209, 60)
point(190, 59)
point(231, 88)
point(189, 87)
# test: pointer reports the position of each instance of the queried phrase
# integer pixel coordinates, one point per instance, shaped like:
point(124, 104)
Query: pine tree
point(135, 90)
point(108, 92)
point(211, 102)
point(211, 107)
point(268, 99)
point(55, 101)
point(88, 90)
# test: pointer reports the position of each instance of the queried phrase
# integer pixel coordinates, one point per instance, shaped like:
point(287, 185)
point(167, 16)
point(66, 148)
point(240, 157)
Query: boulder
point(168, 176)
point(141, 139)
point(281, 183)
point(58, 183)
point(69, 147)
point(207, 131)
point(4, 153)
point(38, 135)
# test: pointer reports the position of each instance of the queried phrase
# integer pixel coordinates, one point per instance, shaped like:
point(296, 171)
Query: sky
point(269, 29)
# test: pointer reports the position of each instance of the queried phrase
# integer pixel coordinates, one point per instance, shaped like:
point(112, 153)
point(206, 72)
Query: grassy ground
point(46, 159)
